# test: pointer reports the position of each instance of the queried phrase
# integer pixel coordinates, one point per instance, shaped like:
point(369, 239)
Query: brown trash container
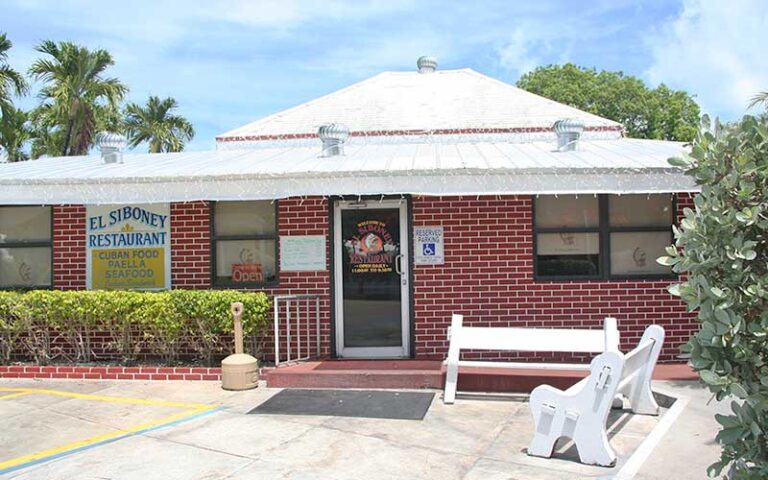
point(239, 371)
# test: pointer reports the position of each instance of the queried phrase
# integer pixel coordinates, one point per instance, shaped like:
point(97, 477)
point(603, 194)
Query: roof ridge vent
point(333, 136)
point(426, 64)
point(111, 145)
point(568, 132)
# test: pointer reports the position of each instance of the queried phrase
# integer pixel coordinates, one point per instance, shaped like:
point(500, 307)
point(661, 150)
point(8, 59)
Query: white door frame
point(372, 352)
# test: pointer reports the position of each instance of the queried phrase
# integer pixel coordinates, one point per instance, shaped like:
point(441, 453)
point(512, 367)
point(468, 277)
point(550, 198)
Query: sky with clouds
point(230, 62)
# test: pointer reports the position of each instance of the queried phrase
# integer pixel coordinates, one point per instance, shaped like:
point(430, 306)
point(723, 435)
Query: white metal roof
point(407, 104)
point(606, 166)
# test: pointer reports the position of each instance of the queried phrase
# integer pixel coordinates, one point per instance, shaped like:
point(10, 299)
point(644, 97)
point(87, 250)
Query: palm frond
point(757, 99)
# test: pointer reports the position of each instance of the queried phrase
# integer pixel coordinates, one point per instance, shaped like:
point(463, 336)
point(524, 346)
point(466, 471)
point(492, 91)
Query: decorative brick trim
point(110, 373)
point(415, 132)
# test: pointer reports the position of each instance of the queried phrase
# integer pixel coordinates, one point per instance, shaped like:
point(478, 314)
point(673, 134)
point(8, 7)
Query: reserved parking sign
point(428, 246)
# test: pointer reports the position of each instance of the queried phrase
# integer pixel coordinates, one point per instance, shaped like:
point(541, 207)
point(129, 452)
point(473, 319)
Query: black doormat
point(349, 403)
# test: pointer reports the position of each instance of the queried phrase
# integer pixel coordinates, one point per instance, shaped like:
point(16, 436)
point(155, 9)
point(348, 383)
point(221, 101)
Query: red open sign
point(247, 272)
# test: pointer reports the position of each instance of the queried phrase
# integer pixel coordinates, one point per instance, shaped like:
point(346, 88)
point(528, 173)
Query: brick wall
point(308, 216)
point(69, 247)
point(190, 245)
point(488, 277)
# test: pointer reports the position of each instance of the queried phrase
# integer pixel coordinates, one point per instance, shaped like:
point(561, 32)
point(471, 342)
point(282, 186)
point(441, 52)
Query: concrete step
point(430, 374)
point(357, 374)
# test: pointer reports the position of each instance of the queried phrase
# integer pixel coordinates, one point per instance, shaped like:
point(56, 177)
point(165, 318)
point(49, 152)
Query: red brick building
point(443, 191)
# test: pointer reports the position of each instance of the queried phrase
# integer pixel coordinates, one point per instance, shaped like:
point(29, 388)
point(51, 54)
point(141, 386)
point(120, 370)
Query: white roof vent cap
point(111, 146)
point(568, 132)
point(426, 64)
point(333, 136)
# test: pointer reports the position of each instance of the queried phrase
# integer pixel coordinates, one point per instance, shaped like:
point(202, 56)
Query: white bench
point(581, 412)
point(523, 340)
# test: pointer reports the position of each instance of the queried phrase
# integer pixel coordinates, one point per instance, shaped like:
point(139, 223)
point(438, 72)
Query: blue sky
point(230, 62)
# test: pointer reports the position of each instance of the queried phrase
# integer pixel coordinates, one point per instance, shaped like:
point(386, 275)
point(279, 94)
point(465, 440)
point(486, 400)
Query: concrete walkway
point(195, 430)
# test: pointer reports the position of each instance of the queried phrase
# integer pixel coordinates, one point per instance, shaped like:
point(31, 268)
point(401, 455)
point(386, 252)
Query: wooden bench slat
point(524, 365)
point(531, 339)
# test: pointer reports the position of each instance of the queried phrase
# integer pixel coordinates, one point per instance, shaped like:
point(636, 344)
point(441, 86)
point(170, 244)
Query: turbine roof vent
point(426, 64)
point(333, 136)
point(568, 132)
point(111, 146)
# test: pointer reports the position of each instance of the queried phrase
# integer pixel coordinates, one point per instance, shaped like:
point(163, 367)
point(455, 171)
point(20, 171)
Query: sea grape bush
point(722, 247)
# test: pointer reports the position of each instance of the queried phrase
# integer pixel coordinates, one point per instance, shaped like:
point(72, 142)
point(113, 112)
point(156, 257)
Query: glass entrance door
point(371, 270)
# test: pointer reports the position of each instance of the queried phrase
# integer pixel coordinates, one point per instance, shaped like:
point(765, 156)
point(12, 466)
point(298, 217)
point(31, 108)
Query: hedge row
point(51, 325)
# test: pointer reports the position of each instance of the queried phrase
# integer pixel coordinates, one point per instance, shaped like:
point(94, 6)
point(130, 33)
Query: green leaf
point(730, 435)
point(678, 162)
point(710, 377)
point(738, 390)
point(715, 469)
point(668, 261)
point(727, 421)
point(722, 316)
point(717, 292)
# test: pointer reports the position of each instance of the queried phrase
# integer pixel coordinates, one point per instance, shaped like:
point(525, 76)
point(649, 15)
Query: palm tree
point(11, 81)
point(156, 125)
point(77, 99)
point(14, 133)
point(759, 98)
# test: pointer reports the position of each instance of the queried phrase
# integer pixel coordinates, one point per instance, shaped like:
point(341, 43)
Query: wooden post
point(237, 313)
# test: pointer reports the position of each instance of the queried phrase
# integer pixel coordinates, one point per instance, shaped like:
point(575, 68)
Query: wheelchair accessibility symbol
point(428, 249)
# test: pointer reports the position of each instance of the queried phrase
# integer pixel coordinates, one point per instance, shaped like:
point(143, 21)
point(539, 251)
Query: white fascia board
point(268, 188)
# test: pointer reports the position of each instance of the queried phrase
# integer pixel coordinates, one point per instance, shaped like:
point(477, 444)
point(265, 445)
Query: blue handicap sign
point(428, 249)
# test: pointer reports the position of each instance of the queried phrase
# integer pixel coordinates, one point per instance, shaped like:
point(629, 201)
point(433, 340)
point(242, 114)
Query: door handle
point(399, 269)
point(399, 264)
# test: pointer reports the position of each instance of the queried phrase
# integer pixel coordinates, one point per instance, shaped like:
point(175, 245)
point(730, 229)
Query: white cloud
point(517, 54)
point(716, 50)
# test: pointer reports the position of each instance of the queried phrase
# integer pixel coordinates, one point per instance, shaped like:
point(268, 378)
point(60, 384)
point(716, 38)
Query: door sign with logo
point(371, 249)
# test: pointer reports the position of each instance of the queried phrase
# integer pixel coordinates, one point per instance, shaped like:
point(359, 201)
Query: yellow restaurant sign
point(128, 246)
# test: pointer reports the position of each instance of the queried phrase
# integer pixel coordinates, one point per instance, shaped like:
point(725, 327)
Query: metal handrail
point(288, 299)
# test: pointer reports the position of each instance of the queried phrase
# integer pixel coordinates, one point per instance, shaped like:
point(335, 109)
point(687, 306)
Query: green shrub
point(47, 325)
point(723, 246)
point(209, 316)
point(11, 326)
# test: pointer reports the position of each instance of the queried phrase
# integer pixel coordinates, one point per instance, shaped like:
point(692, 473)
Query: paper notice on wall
point(429, 245)
point(302, 253)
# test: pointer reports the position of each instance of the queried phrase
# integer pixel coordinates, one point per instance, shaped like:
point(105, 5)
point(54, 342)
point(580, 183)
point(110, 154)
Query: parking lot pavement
point(195, 430)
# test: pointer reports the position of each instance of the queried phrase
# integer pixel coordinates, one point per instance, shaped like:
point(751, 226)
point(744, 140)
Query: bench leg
point(593, 447)
point(548, 424)
point(641, 399)
point(452, 372)
point(543, 442)
point(451, 378)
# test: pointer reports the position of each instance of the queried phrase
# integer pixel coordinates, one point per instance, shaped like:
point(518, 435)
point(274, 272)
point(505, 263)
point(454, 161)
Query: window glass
point(244, 218)
point(25, 267)
point(567, 211)
point(640, 210)
point(245, 261)
point(635, 253)
point(568, 254)
point(18, 224)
